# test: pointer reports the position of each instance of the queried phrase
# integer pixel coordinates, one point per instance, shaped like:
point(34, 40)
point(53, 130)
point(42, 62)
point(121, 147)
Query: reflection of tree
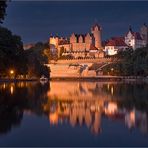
point(9, 118)
point(32, 97)
point(28, 97)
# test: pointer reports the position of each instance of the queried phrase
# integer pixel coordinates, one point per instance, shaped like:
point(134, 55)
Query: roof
point(135, 34)
point(96, 25)
point(145, 25)
point(63, 42)
point(116, 41)
point(92, 47)
point(78, 35)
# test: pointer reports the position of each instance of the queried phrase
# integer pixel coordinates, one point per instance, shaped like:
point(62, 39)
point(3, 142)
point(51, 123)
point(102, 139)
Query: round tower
point(96, 31)
point(144, 33)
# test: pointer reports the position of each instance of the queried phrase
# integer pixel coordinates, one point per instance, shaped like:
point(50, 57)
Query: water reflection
point(76, 103)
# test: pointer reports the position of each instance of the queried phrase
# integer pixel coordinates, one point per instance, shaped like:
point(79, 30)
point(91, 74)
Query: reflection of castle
point(79, 45)
point(73, 105)
point(91, 113)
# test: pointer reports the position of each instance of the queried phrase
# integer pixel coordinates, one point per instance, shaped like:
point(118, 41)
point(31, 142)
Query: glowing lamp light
point(11, 71)
point(112, 69)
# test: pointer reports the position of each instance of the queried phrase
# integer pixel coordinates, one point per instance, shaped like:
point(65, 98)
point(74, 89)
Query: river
point(74, 113)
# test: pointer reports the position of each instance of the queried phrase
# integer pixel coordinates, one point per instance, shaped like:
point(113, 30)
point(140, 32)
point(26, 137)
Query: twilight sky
point(36, 20)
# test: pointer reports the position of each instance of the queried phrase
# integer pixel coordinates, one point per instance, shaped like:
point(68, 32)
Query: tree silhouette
point(3, 5)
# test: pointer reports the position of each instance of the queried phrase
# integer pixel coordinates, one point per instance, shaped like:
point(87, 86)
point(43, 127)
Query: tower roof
point(130, 29)
point(96, 25)
point(144, 24)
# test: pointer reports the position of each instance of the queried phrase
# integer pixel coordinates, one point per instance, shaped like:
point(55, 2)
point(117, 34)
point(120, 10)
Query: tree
point(11, 53)
point(3, 5)
point(130, 63)
point(37, 57)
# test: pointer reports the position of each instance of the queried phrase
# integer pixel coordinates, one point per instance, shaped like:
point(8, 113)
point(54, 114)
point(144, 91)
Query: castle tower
point(144, 33)
point(54, 41)
point(96, 31)
point(53, 44)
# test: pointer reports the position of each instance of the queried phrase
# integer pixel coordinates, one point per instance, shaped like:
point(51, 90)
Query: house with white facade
point(134, 39)
point(114, 45)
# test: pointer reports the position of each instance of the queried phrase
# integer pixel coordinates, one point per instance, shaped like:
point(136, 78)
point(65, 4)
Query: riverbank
point(98, 78)
point(101, 78)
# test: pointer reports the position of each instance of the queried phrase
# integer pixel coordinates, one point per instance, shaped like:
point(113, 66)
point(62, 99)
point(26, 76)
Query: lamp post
point(11, 73)
point(112, 69)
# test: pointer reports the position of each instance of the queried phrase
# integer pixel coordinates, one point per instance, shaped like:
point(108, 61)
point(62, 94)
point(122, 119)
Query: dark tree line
point(11, 53)
point(3, 5)
point(131, 63)
point(37, 57)
point(13, 56)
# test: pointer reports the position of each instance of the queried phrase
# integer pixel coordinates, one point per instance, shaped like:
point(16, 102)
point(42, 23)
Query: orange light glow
point(11, 71)
point(53, 117)
point(132, 116)
point(11, 89)
point(112, 108)
point(112, 90)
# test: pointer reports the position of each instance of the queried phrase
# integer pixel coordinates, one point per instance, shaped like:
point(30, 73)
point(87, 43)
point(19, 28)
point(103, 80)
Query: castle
point(80, 52)
point(131, 39)
point(79, 45)
point(89, 45)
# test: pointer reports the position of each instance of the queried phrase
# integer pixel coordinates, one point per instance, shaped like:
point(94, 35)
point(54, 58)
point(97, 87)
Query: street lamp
point(11, 73)
point(112, 69)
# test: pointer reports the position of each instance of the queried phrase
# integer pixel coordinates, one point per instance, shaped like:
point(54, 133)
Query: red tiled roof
point(62, 42)
point(92, 47)
point(116, 41)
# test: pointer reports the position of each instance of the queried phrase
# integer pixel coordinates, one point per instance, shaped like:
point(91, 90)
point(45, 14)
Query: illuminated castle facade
point(79, 45)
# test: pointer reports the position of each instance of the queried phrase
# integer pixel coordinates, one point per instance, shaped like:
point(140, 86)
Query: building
point(114, 45)
point(79, 45)
point(28, 46)
point(132, 40)
point(144, 33)
point(135, 39)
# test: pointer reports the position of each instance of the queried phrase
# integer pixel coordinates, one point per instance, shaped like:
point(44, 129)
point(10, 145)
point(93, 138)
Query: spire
point(51, 35)
point(144, 24)
point(130, 28)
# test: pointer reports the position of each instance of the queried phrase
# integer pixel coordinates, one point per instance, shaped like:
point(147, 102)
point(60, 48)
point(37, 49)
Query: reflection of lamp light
point(108, 86)
point(112, 90)
point(11, 89)
point(130, 119)
point(4, 86)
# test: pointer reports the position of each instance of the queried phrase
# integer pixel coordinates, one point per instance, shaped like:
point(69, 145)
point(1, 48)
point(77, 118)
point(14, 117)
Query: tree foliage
point(11, 53)
point(3, 5)
point(131, 63)
point(37, 56)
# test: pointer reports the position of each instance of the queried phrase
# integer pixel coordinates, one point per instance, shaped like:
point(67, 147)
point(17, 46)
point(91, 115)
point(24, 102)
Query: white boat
point(43, 79)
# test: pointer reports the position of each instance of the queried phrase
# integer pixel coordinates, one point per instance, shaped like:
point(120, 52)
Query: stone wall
point(74, 68)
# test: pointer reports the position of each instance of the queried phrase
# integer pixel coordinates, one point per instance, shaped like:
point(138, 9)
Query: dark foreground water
point(74, 114)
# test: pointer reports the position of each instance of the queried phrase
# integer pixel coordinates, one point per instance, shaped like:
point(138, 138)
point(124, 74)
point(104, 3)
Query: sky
point(36, 20)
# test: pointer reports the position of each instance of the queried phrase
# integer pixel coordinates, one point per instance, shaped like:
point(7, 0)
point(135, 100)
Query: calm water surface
point(74, 114)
